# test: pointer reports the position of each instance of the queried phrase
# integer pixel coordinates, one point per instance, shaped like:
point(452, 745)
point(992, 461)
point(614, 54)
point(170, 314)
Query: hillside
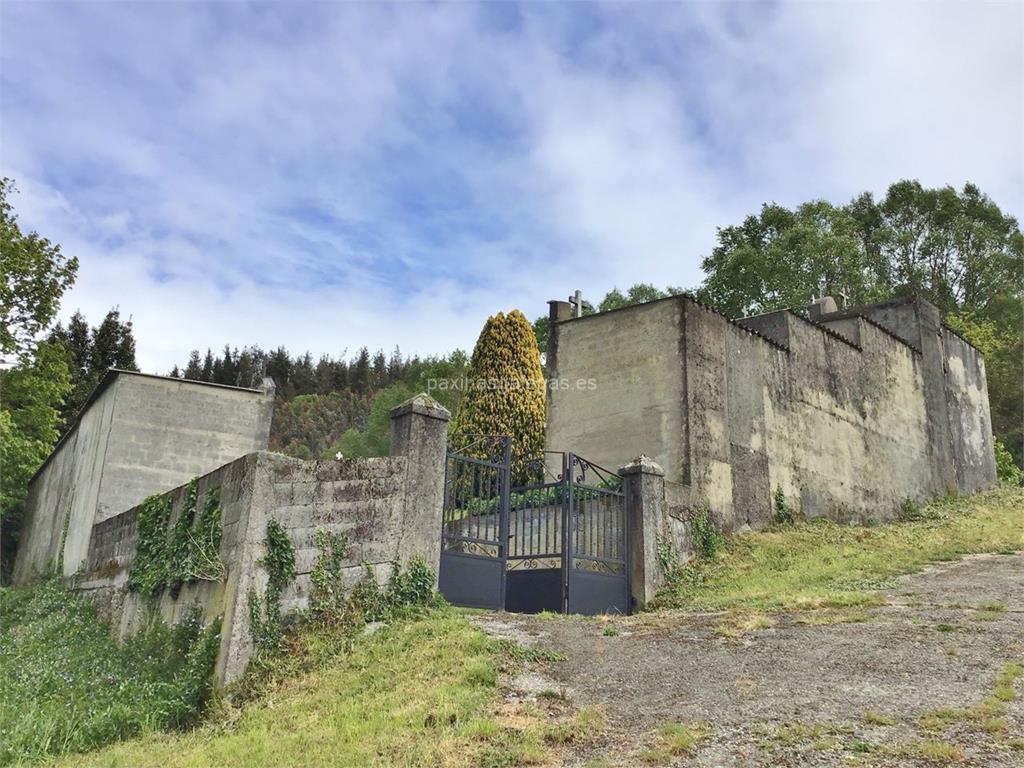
point(445, 687)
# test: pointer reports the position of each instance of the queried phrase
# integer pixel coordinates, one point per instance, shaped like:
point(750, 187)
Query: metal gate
point(555, 541)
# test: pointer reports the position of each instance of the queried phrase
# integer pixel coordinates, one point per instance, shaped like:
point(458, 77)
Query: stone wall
point(136, 435)
point(389, 509)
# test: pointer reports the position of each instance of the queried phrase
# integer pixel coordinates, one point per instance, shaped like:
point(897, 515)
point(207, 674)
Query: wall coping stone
point(422, 404)
point(642, 465)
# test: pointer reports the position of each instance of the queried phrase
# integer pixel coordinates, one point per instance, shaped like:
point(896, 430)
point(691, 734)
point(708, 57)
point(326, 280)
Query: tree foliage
point(29, 420)
point(505, 389)
point(614, 299)
point(33, 276)
point(89, 352)
point(956, 249)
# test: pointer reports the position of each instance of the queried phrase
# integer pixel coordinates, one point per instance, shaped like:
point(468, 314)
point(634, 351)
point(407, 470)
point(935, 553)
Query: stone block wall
point(389, 510)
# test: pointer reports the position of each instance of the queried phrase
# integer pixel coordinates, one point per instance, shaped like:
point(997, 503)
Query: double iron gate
point(545, 534)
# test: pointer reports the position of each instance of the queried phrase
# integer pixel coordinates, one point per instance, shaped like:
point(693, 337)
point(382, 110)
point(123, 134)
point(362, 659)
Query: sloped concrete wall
point(137, 435)
point(63, 495)
point(970, 420)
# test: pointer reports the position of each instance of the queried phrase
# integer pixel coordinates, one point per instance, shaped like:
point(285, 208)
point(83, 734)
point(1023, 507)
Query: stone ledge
point(422, 404)
point(642, 465)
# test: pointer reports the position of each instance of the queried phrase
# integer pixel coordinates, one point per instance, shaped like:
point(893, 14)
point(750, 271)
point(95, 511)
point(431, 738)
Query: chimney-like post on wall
point(419, 433)
point(558, 311)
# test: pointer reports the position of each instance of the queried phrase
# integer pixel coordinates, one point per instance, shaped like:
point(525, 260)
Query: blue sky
point(327, 175)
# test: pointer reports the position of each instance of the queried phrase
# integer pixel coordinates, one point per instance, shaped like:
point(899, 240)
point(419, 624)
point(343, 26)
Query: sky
point(331, 175)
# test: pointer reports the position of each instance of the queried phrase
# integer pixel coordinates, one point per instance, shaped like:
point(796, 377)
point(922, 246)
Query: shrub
point(1006, 469)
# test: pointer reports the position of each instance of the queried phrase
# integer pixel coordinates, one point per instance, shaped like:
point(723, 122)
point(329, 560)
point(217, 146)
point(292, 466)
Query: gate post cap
point(642, 465)
point(422, 404)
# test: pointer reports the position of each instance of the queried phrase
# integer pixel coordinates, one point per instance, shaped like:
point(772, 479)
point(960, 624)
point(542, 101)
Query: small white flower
point(338, 456)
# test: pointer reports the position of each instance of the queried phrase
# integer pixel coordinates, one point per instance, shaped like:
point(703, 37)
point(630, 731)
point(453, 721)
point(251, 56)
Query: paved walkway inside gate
point(892, 685)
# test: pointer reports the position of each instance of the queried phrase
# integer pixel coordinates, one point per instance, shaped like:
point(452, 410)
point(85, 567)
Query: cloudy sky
point(328, 175)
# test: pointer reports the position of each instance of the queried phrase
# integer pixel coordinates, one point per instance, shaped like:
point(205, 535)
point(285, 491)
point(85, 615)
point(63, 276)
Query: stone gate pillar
point(643, 483)
point(419, 433)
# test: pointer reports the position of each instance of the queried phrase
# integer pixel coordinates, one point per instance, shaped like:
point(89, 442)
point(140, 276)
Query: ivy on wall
point(279, 562)
point(170, 556)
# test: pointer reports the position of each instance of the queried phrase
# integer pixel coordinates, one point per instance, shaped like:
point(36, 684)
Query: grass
point(419, 692)
point(68, 686)
point(986, 715)
point(673, 739)
point(735, 626)
point(871, 717)
point(821, 564)
point(929, 750)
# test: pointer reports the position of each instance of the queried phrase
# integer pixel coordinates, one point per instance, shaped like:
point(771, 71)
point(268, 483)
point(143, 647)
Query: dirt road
point(915, 681)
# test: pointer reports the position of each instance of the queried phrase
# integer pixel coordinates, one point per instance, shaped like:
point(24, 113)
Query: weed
point(861, 746)
point(871, 717)
point(521, 653)
point(737, 625)
point(610, 631)
point(549, 694)
point(783, 514)
point(927, 749)
point(707, 541)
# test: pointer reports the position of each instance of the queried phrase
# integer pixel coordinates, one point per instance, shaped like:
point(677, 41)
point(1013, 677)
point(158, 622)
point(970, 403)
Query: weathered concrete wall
point(846, 426)
point(165, 431)
point(635, 357)
point(389, 510)
point(64, 494)
point(969, 416)
point(137, 435)
point(850, 417)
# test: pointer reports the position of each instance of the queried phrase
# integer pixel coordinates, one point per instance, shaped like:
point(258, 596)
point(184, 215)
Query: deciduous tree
point(33, 276)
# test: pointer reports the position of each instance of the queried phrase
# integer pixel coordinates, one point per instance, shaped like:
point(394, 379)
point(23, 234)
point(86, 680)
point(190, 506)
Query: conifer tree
point(505, 390)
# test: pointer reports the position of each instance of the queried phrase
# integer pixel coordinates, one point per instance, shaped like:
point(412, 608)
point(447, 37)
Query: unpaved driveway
point(796, 694)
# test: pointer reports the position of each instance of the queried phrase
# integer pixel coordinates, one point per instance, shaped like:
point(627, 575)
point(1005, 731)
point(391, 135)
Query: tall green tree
point(29, 426)
point(955, 248)
point(505, 389)
point(33, 276)
point(89, 353)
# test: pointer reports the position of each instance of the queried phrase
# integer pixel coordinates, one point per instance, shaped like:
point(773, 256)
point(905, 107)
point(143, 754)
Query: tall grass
point(69, 686)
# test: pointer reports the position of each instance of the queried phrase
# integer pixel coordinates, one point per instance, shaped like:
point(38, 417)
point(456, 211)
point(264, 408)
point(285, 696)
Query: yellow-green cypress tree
point(505, 390)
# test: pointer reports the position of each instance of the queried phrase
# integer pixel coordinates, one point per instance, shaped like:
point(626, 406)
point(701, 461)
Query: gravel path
point(796, 693)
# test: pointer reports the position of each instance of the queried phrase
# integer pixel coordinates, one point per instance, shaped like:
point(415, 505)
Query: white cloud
point(327, 176)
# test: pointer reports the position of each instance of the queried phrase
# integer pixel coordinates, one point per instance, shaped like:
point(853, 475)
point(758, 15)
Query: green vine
point(668, 558)
point(327, 596)
point(279, 562)
point(170, 556)
point(783, 514)
point(706, 538)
